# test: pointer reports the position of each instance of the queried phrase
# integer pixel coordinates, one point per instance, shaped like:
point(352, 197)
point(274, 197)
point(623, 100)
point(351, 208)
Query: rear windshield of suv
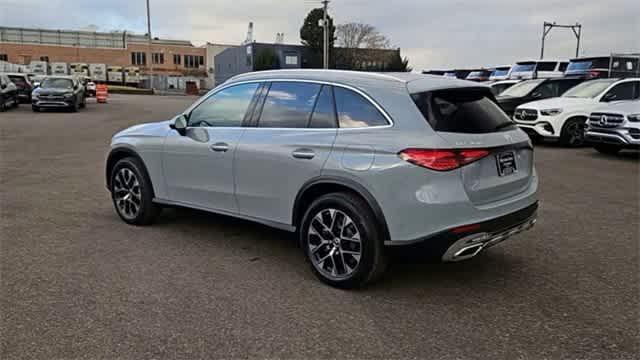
point(523, 67)
point(465, 110)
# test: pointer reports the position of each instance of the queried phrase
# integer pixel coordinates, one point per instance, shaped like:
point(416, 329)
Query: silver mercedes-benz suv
point(353, 162)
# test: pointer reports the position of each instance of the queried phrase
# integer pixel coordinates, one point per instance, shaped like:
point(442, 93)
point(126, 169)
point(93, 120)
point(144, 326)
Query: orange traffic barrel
point(101, 93)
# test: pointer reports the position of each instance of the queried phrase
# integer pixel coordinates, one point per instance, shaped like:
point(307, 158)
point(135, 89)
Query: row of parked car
point(49, 92)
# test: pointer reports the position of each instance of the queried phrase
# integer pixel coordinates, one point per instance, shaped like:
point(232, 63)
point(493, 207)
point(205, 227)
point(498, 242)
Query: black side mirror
point(536, 95)
point(180, 124)
point(3, 86)
point(609, 97)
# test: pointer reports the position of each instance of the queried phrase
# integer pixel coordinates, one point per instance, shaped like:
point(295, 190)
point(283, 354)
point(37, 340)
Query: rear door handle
point(303, 154)
point(220, 147)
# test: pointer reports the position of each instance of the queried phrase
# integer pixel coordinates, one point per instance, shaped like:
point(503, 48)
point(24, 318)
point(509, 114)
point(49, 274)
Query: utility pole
point(150, 49)
point(325, 42)
point(547, 26)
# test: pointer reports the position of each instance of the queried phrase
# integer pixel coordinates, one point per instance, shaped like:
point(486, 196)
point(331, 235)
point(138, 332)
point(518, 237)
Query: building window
point(176, 59)
point(4, 57)
point(44, 58)
point(193, 61)
point(291, 60)
point(138, 58)
point(158, 58)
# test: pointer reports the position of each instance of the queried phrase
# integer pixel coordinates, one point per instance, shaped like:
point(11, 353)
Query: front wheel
point(341, 241)
point(607, 149)
point(132, 192)
point(572, 133)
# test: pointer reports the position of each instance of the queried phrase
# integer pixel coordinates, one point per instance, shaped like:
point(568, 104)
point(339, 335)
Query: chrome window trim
point(221, 87)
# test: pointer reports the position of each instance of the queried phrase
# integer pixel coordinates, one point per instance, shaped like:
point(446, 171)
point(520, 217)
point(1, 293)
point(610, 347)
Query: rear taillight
point(442, 159)
point(594, 74)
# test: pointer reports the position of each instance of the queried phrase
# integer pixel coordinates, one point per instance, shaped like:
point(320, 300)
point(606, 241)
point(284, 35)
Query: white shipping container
point(39, 67)
point(58, 68)
point(98, 72)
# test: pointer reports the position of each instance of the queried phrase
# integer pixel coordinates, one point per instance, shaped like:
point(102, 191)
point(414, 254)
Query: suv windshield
point(523, 67)
point(579, 66)
point(589, 89)
point(463, 110)
point(522, 89)
point(499, 72)
point(57, 84)
point(19, 81)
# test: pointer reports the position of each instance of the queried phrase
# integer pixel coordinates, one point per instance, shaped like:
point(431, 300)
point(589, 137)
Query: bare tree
point(357, 35)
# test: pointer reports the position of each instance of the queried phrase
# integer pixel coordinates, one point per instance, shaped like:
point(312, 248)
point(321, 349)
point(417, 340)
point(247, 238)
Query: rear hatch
point(468, 118)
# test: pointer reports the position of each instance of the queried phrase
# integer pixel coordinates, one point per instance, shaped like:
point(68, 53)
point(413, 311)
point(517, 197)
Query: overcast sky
point(432, 33)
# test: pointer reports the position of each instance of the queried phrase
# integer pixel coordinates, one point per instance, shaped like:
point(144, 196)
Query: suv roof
point(14, 74)
point(413, 82)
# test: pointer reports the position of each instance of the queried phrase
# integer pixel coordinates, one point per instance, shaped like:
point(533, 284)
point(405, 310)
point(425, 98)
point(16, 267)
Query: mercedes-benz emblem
point(603, 120)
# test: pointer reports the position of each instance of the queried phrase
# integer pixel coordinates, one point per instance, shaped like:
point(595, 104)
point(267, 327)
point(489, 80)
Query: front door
point(199, 167)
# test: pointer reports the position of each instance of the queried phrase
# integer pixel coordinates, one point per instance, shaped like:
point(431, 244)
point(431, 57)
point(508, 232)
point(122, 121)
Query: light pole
point(325, 41)
point(150, 49)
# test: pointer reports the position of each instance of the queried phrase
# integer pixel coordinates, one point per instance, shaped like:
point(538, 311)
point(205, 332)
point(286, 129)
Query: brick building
point(165, 57)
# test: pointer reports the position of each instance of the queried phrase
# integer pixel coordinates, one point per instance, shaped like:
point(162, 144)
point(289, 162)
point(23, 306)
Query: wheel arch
point(329, 184)
point(117, 154)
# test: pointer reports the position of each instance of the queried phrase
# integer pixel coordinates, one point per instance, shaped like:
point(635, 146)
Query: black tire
point(74, 106)
point(372, 258)
point(3, 106)
point(83, 103)
point(16, 102)
point(147, 212)
point(572, 134)
point(607, 148)
point(35, 108)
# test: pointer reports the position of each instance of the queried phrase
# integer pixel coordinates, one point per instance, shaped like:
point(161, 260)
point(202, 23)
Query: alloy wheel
point(334, 244)
point(576, 133)
point(126, 193)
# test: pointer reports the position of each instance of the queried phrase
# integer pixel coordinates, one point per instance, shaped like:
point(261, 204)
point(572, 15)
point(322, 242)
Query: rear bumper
point(464, 242)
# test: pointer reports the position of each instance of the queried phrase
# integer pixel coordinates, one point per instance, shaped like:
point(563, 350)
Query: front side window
point(226, 108)
point(354, 111)
point(289, 105)
point(547, 89)
point(624, 91)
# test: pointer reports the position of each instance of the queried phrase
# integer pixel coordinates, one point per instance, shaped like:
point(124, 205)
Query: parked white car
point(615, 126)
point(564, 118)
point(538, 69)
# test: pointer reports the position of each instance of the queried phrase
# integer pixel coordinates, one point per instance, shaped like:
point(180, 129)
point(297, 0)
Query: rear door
point(468, 118)
point(287, 145)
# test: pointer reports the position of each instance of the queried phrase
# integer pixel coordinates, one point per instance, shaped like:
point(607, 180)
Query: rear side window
point(324, 114)
point(546, 66)
point(563, 66)
point(467, 110)
point(289, 105)
point(354, 111)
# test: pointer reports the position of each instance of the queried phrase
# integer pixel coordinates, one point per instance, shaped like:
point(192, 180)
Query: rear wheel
point(572, 133)
point(83, 103)
point(16, 101)
point(607, 148)
point(132, 192)
point(35, 108)
point(341, 241)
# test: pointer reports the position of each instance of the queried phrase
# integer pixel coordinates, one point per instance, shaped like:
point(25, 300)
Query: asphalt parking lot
point(76, 282)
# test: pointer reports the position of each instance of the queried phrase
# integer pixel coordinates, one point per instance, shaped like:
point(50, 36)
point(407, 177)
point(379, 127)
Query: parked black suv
point(532, 90)
point(8, 93)
point(58, 92)
point(599, 66)
point(24, 86)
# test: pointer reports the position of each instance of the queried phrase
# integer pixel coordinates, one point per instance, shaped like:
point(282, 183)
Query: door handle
point(220, 147)
point(303, 154)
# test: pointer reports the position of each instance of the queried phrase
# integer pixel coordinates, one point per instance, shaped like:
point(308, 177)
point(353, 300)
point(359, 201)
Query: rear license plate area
point(506, 162)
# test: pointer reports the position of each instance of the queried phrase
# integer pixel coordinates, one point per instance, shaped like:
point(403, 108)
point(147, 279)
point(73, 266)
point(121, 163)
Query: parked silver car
point(354, 162)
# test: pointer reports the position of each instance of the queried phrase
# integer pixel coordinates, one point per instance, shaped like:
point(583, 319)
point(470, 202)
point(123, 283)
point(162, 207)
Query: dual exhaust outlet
point(471, 245)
